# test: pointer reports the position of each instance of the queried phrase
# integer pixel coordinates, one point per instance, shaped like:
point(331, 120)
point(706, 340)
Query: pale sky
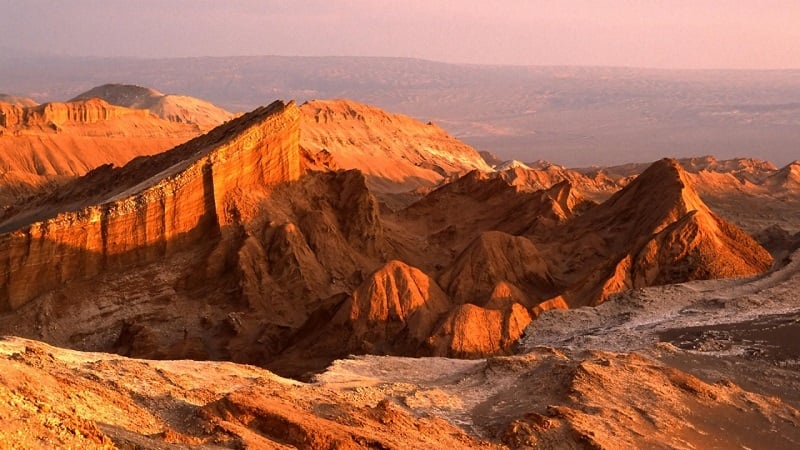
point(734, 34)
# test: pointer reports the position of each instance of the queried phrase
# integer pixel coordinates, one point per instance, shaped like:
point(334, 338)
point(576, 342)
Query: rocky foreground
point(732, 385)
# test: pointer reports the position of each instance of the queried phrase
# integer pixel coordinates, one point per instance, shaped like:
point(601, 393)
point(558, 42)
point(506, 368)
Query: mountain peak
point(128, 95)
point(656, 230)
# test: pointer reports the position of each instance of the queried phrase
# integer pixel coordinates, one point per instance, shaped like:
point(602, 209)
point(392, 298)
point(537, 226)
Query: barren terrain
point(362, 252)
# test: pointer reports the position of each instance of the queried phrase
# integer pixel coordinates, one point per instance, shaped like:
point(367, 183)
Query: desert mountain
point(490, 158)
point(749, 192)
point(55, 142)
point(511, 164)
point(172, 107)
point(743, 169)
point(395, 152)
point(598, 187)
point(454, 215)
point(249, 255)
point(656, 230)
point(495, 257)
point(787, 178)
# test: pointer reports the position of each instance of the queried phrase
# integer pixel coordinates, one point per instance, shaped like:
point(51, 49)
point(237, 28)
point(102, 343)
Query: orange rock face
point(397, 301)
point(175, 108)
point(474, 332)
point(55, 142)
point(656, 230)
point(496, 257)
point(143, 218)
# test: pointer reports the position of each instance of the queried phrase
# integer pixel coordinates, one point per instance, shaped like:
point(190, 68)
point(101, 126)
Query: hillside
point(395, 152)
point(549, 398)
point(172, 107)
point(49, 144)
point(752, 193)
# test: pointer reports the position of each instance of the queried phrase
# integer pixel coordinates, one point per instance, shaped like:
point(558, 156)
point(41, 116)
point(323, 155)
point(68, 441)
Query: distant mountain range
point(574, 116)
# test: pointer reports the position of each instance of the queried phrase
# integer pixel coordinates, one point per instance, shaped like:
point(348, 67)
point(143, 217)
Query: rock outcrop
point(496, 257)
point(455, 214)
point(77, 112)
point(394, 311)
point(155, 207)
point(50, 144)
point(471, 331)
point(787, 178)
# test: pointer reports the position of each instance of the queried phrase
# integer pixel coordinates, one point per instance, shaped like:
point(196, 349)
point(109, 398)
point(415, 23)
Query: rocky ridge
point(254, 250)
point(155, 207)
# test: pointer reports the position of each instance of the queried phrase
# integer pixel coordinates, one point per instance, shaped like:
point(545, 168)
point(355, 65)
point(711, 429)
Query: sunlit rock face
point(156, 206)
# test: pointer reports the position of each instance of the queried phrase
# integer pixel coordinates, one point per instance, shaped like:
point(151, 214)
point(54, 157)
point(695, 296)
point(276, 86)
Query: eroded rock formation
point(395, 152)
point(182, 197)
point(254, 249)
point(656, 230)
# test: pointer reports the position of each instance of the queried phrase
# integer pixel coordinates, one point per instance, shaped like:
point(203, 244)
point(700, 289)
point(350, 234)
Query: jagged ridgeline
point(246, 244)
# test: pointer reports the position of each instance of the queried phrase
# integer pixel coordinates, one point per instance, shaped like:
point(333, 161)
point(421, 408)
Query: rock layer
point(656, 230)
point(396, 152)
point(146, 218)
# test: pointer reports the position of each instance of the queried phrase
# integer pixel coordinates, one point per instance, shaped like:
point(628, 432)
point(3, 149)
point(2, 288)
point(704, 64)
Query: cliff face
point(142, 219)
point(55, 115)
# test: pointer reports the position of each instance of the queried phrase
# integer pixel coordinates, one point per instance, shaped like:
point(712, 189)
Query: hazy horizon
point(738, 35)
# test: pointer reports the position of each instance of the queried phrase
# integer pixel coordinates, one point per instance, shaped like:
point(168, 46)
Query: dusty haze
point(676, 34)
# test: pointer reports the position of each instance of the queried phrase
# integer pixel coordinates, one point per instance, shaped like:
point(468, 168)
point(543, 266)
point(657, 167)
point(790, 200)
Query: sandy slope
point(546, 398)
